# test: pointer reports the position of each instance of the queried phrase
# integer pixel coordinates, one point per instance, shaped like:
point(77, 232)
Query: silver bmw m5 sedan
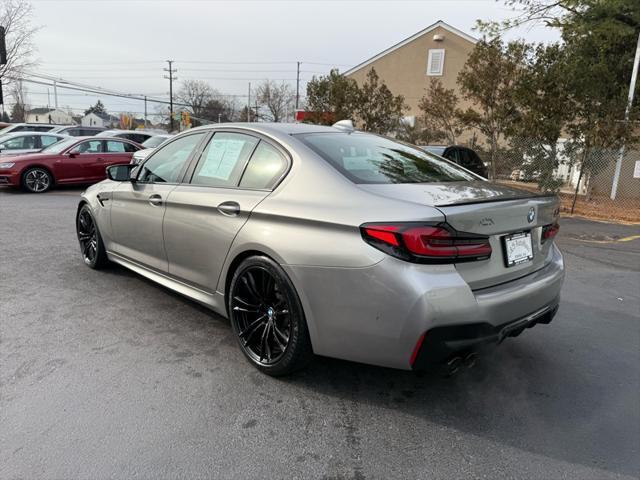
point(329, 241)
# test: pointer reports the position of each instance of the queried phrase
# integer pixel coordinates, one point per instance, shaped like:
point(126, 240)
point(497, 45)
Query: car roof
point(31, 134)
point(117, 130)
point(267, 127)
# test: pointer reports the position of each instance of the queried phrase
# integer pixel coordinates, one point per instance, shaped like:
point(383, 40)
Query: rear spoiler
point(499, 199)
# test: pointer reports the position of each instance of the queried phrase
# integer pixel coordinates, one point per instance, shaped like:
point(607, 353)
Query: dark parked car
point(463, 156)
point(138, 136)
point(73, 160)
point(78, 131)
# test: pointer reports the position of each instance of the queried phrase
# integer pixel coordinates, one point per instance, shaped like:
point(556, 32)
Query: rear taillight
point(426, 243)
point(549, 232)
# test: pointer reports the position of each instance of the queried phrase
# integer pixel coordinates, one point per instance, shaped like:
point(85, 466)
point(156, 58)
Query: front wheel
point(37, 180)
point(267, 317)
point(93, 252)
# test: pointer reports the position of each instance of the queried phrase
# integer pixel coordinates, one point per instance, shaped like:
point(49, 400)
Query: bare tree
point(277, 99)
point(15, 17)
point(18, 94)
point(196, 94)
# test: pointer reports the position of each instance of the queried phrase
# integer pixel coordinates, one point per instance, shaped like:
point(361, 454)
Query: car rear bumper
point(377, 314)
point(442, 343)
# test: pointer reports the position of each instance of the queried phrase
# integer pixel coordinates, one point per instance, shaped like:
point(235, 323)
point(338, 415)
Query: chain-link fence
point(586, 181)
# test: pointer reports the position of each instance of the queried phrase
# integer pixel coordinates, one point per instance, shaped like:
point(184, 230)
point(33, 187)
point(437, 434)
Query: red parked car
point(75, 160)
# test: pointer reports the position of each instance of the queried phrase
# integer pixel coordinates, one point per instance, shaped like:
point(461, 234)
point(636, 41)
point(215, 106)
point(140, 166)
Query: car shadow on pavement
point(511, 397)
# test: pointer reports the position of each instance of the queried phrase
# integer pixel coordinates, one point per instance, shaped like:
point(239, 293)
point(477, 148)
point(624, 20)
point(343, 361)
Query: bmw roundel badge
point(531, 216)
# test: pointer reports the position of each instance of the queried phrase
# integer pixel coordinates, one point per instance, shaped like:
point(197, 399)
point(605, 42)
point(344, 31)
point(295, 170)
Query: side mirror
point(73, 154)
point(121, 173)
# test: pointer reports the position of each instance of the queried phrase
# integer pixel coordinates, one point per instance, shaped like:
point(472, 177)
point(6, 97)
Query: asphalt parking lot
point(107, 375)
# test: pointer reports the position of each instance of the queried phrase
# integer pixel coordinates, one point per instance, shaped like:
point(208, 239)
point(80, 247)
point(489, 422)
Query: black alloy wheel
point(91, 246)
point(267, 317)
point(37, 180)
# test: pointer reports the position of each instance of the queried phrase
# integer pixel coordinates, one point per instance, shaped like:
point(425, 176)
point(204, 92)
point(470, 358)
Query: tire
point(37, 180)
point(267, 317)
point(91, 246)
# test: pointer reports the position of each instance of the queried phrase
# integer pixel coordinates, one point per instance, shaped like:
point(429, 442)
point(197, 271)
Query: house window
point(435, 63)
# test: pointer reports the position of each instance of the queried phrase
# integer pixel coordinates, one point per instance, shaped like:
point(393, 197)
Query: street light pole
point(627, 111)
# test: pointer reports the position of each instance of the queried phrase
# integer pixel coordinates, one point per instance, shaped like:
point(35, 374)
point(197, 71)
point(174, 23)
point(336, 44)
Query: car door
point(77, 165)
point(234, 173)
point(137, 208)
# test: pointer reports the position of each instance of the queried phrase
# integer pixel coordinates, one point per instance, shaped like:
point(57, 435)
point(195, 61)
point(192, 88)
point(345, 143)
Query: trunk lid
point(489, 209)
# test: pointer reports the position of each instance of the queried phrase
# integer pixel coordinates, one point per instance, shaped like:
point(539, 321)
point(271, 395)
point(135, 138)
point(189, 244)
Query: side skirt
point(214, 301)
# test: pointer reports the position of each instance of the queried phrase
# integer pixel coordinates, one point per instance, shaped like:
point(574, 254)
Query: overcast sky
point(123, 45)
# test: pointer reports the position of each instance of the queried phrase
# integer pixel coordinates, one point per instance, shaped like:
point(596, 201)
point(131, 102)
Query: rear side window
point(223, 160)
point(366, 158)
point(115, 147)
point(47, 140)
point(264, 169)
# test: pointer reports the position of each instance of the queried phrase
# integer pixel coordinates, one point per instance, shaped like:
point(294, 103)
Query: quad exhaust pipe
point(455, 363)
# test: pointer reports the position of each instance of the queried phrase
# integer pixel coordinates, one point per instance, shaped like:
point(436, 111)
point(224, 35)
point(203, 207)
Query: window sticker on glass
point(222, 156)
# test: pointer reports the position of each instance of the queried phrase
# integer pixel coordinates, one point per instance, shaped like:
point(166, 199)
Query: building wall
point(404, 70)
point(55, 116)
point(92, 120)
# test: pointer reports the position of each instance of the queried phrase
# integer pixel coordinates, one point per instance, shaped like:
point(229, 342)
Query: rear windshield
point(366, 158)
point(153, 142)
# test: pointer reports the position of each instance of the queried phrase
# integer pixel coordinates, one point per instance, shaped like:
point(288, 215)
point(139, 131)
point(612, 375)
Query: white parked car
point(149, 146)
point(27, 142)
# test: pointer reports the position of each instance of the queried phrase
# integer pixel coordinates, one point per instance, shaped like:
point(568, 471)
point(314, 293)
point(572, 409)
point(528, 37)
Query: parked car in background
point(28, 127)
point(149, 146)
point(72, 160)
point(138, 136)
point(78, 130)
point(314, 239)
point(27, 142)
point(463, 156)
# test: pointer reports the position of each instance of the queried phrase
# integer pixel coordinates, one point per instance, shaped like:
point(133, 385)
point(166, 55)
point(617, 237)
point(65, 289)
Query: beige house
point(439, 51)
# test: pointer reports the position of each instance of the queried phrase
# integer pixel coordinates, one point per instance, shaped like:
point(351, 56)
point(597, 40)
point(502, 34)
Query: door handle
point(100, 159)
point(155, 200)
point(230, 209)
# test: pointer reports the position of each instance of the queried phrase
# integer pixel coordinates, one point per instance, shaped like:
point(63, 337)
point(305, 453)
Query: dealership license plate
point(517, 248)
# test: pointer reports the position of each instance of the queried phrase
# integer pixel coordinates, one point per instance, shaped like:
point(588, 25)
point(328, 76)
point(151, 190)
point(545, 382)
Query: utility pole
point(627, 111)
point(297, 85)
point(55, 93)
point(249, 104)
point(171, 78)
point(145, 111)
